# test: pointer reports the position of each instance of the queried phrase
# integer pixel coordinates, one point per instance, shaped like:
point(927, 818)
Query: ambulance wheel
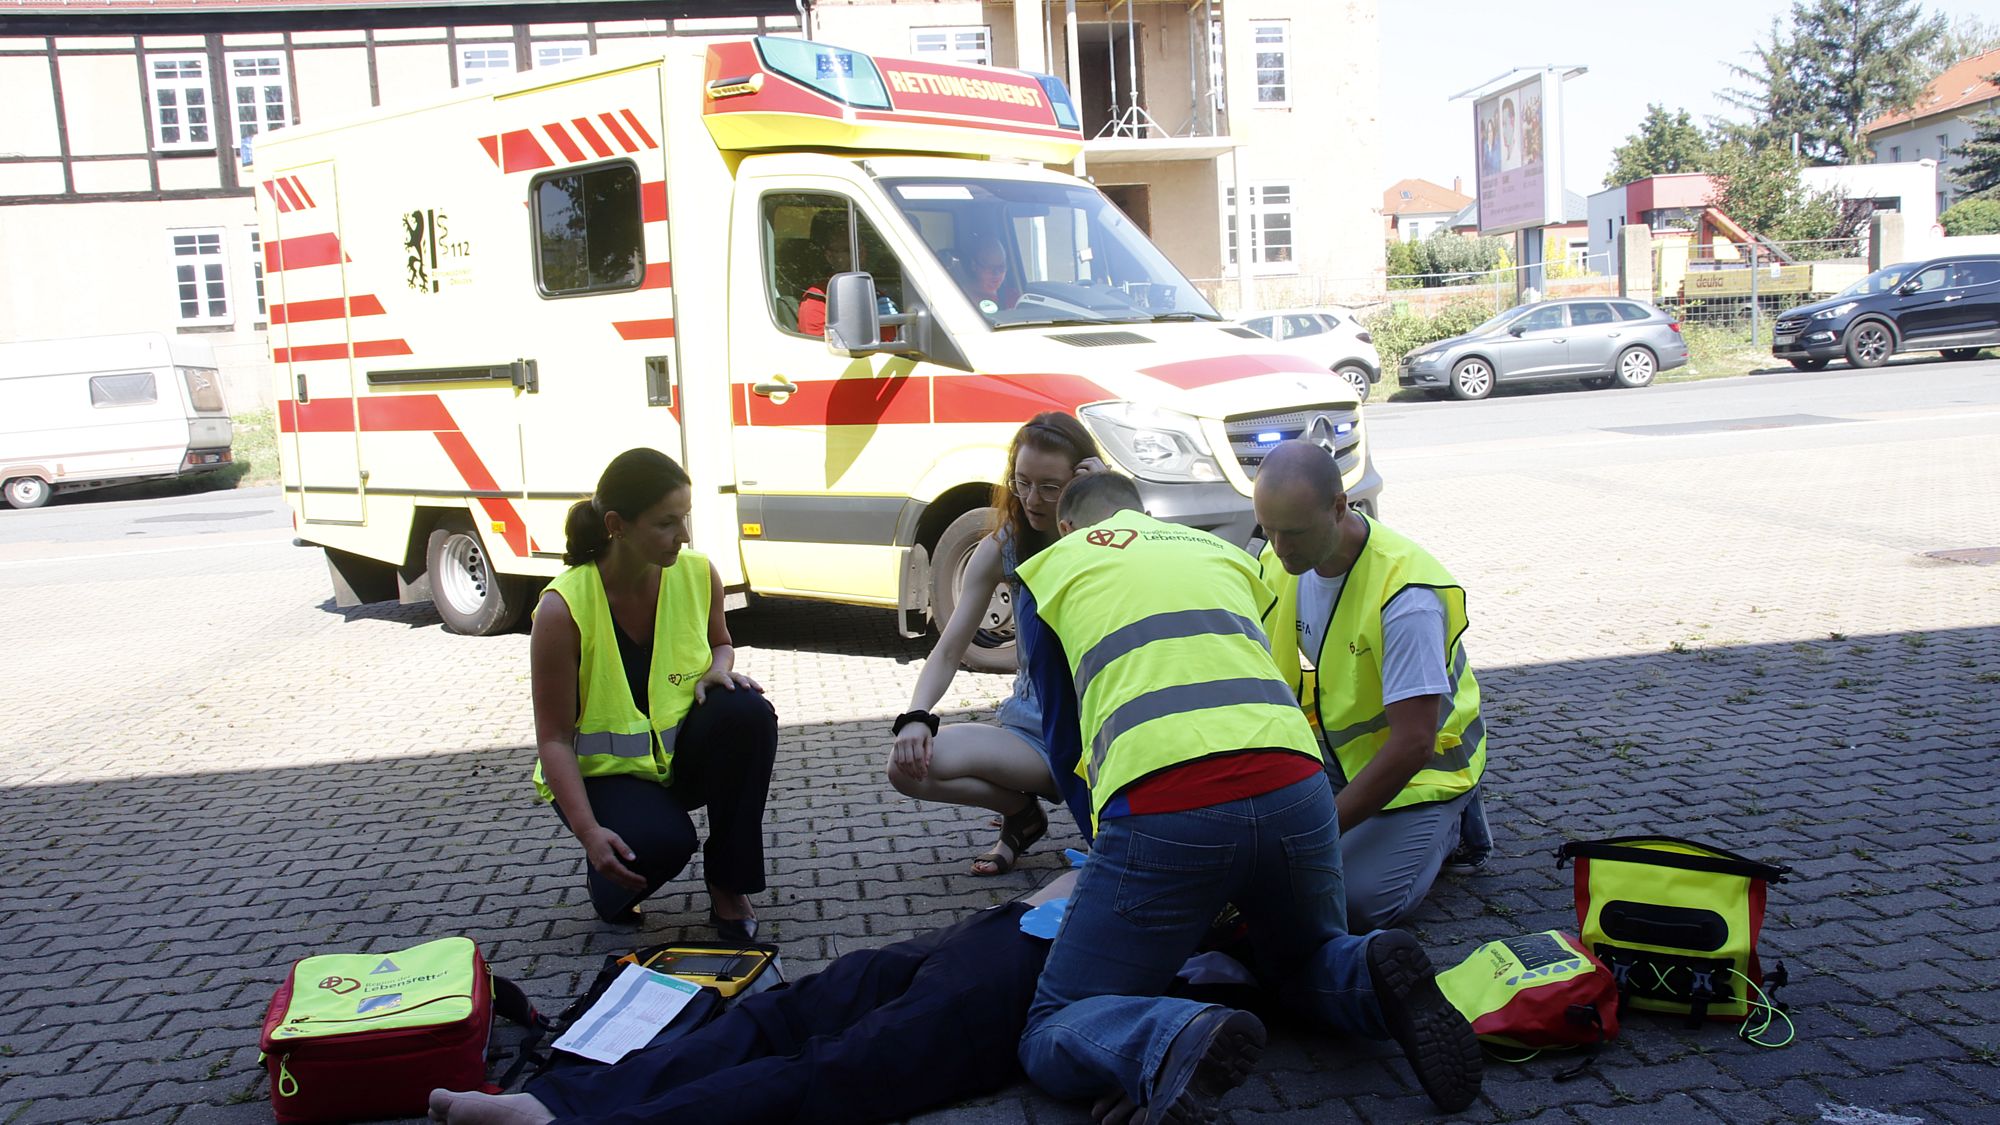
point(992, 647)
point(27, 492)
point(470, 595)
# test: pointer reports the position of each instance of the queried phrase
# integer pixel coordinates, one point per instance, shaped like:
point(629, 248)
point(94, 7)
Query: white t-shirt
point(1412, 636)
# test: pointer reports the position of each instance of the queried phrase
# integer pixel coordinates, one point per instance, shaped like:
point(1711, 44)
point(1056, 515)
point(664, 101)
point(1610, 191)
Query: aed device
point(728, 968)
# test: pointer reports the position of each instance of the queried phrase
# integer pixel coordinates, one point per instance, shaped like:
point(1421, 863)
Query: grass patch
point(1717, 352)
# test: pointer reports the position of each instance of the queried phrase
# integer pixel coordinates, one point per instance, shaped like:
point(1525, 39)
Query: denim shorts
point(1021, 716)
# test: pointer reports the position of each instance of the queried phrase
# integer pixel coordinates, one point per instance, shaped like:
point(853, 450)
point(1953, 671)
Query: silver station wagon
point(1600, 341)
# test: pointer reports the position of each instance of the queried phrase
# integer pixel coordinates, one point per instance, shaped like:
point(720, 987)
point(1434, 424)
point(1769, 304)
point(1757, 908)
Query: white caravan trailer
point(100, 410)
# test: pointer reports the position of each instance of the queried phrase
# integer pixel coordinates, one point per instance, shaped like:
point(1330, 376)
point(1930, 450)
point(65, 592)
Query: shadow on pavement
point(149, 918)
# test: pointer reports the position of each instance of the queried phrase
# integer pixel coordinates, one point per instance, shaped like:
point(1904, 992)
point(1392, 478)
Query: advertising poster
point(1509, 130)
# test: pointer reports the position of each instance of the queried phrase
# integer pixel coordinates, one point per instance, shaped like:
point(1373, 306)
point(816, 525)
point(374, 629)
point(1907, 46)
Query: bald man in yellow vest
point(1368, 630)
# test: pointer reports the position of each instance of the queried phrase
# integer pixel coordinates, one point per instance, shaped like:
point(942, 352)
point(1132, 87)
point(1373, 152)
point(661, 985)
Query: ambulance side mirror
point(853, 318)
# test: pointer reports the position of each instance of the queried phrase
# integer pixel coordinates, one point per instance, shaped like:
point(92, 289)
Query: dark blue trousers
point(880, 1034)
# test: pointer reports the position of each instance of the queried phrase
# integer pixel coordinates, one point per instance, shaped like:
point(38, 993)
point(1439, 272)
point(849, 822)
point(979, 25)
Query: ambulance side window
point(808, 237)
point(589, 226)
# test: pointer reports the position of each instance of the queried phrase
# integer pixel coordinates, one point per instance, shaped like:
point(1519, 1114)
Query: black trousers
point(722, 760)
point(881, 1034)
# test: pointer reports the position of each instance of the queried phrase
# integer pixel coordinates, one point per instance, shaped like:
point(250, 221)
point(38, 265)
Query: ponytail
point(584, 530)
point(633, 482)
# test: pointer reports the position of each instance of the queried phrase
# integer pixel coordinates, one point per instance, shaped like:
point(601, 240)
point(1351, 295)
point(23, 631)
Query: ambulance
point(759, 257)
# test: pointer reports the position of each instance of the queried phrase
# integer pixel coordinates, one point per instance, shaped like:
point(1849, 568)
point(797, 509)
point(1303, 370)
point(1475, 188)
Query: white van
point(101, 410)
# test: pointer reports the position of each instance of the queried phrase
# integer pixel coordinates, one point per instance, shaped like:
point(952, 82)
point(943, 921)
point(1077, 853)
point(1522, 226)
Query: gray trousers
point(1389, 861)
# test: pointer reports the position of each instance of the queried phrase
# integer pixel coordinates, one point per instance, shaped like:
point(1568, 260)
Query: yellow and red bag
point(1534, 992)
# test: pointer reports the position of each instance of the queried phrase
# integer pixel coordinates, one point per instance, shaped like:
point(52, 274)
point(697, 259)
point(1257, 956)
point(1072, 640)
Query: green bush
point(1971, 216)
point(1399, 331)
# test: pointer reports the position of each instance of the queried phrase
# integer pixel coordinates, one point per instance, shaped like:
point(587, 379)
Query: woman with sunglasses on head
point(640, 715)
point(1002, 766)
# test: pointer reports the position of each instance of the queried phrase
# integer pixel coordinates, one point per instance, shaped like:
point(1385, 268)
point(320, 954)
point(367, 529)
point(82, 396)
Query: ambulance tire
point(992, 647)
point(471, 597)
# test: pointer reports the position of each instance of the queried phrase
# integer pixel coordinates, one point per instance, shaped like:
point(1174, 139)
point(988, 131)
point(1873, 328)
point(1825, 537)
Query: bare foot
point(473, 1108)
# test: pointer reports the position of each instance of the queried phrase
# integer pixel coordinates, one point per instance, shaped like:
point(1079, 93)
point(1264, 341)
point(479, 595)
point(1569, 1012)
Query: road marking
point(236, 545)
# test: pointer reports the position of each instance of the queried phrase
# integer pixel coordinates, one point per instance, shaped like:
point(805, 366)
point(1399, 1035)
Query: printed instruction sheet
point(633, 1010)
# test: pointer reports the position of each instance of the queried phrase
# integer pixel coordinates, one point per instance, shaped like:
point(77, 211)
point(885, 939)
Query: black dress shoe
point(740, 930)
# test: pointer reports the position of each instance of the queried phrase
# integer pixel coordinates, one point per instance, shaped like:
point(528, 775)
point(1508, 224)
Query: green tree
point(1976, 172)
point(1664, 143)
point(1839, 65)
point(1965, 37)
point(1971, 216)
point(1402, 262)
point(1760, 189)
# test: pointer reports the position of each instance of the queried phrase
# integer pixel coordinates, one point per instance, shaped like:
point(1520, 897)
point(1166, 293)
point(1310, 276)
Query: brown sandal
point(1018, 833)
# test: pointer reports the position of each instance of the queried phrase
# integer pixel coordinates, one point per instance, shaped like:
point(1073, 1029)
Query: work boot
point(1211, 1056)
point(1435, 1038)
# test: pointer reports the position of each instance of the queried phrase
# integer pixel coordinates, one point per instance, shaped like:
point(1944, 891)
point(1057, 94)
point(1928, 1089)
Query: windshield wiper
point(1157, 317)
point(1067, 322)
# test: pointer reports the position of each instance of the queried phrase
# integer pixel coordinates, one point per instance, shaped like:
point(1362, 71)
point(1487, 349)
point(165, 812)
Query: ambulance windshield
point(1027, 253)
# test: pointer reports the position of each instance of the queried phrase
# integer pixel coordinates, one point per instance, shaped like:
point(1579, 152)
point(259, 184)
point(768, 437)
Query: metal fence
point(1740, 287)
point(1422, 294)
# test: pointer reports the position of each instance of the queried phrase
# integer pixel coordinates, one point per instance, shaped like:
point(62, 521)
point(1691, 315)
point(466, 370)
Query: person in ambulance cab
point(829, 235)
point(640, 715)
point(983, 275)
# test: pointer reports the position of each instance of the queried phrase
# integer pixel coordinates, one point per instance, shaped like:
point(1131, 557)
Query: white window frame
point(965, 44)
point(208, 266)
point(257, 83)
point(1280, 45)
point(257, 276)
point(1217, 71)
point(563, 50)
point(1259, 212)
point(181, 85)
point(472, 75)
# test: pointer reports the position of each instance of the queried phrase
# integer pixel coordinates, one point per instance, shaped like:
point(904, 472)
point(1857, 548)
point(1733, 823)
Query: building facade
point(1940, 122)
point(1185, 102)
point(124, 200)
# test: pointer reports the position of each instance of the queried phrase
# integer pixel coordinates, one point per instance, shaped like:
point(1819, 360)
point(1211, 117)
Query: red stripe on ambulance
point(632, 119)
point(363, 349)
point(653, 202)
point(291, 193)
point(303, 252)
point(412, 414)
point(521, 152)
point(284, 205)
point(644, 329)
point(300, 186)
point(659, 275)
point(590, 137)
point(560, 136)
point(492, 147)
point(617, 133)
point(903, 400)
point(332, 308)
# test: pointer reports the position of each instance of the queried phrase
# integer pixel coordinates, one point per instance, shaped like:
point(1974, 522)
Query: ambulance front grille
point(1252, 435)
point(1099, 339)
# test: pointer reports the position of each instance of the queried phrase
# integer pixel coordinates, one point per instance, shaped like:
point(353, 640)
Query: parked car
point(1330, 337)
point(1600, 341)
point(1949, 305)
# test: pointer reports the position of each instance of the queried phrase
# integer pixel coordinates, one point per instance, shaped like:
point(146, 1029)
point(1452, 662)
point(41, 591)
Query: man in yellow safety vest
point(1368, 630)
point(1205, 788)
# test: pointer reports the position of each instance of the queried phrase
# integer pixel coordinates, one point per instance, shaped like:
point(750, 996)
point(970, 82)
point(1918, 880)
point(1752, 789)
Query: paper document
point(633, 1010)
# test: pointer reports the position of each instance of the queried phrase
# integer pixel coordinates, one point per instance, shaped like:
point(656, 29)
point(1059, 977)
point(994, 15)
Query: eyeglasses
point(1049, 493)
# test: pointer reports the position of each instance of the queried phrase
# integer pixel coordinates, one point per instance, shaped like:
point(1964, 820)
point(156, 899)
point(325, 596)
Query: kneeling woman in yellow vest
point(640, 717)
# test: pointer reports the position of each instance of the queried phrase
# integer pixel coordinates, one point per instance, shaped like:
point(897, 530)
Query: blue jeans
point(1144, 899)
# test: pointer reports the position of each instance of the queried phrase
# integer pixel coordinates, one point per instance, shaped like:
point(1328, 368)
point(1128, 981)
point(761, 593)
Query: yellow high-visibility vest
point(612, 736)
point(1159, 623)
point(1343, 695)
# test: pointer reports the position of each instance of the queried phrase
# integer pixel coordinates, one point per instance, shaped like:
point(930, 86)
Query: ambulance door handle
point(777, 390)
point(300, 380)
point(526, 375)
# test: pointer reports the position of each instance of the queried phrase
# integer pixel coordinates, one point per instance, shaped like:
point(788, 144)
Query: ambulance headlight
point(1152, 444)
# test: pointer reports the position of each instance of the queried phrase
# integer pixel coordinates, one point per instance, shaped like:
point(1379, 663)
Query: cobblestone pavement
point(211, 772)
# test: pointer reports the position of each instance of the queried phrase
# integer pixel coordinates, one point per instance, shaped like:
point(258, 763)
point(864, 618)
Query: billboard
point(1517, 132)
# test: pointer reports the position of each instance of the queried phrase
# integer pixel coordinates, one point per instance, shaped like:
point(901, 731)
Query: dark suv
point(1949, 305)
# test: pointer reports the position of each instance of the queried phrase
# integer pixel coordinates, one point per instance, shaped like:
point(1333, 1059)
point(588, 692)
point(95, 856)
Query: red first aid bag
point(359, 1036)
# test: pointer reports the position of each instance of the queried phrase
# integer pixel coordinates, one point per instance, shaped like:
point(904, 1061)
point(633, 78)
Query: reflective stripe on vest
point(612, 737)
point(1169, 663)
point(1354, 730)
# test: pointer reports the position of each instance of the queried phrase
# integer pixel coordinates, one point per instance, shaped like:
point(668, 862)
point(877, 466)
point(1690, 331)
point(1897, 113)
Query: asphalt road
point(1834, 409)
